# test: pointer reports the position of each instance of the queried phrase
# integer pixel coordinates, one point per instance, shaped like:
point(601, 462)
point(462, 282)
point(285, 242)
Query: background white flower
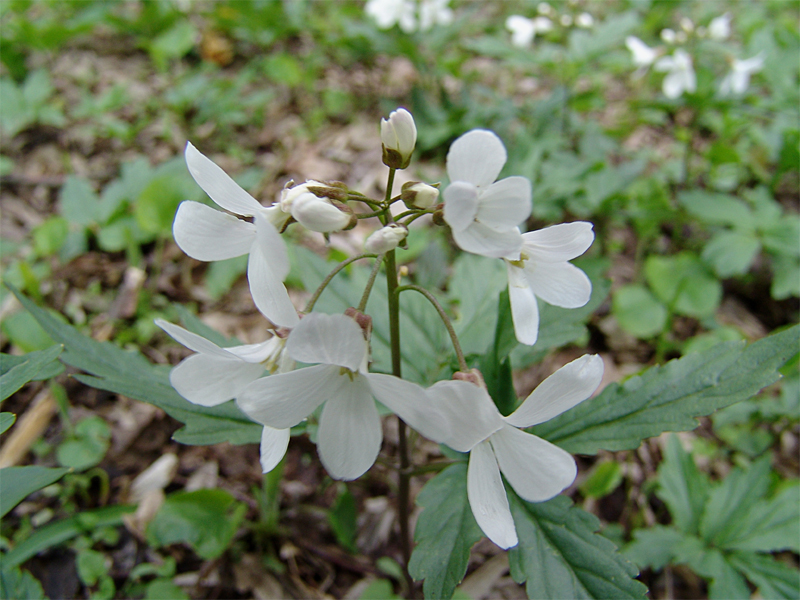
point(680, 76)
point(535, 468)
point(388, 12)
point(737, 81)
point(349, 437)
point(643, 55)
point(484, 214)
point(720, 28)
point(207, 234)
point(434, 12)
point(543, 271)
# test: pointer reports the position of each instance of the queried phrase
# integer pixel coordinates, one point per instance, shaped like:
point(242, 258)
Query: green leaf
point(710, 563)
point(731, 252)
point(50, 236)
point(130, 374)
point(173, 43)
point(205, 519)
point(683, 283)
point(19, 370)
point(6, 421)
point(59, 532)
point(787, 277)
point(653, 547)
point(638, 312)
point(731, 500)
point(222, 274)
point(672, 396)
point(15, 583)
point(475, 286)
point(21, 482)
point(682, 487)
point(712, 207)
point(784, 236)
point(157, 203)
point(78, 202)
point(774, 579)
point(92, 566)
point(602, 480)
point(87, 445)
point(560, 555)
point(768, 526)
point(445, 532)
point(342, 518)
point(164, 589)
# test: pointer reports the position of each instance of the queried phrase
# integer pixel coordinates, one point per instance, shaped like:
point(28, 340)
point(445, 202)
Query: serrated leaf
point(445, 532)
point(710, 563)
point(559, 554)
point(653, 547)
point(130, 374)
point(20, 482)
point(15, 583)
point(682, 487)
point(731, 252)
point(19, 370)
point(671, 397)
point(769, 525)
point(683, 283)
point(717, 208)
point(774, 579)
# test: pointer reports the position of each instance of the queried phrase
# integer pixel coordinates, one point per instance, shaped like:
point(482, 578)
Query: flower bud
point(320, 214)
point(438, 218)
point(364, 321)
point(398, 138)
point(416, 194)
point(385, 239)
point(473, 376)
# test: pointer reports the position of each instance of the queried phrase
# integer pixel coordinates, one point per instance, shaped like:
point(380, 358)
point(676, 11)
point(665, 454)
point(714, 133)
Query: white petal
point(285, 399)
point(506, 203)
point(476, 157)
point(208, 234)
point(558, 243)
point(329, 340)
point(410, 402)
point(218, 185)
point(570, 385)
point(535, 468)
point(483, 240)
point(318, 214)
point(257, 353)
point(192, 341)
point(487, 497)
point(673, 85)
point(469, 410)
point(209, 380)
point(350, 433)
point(559, 284)
point(524, 310)
point(522, 30)
point(274, 443)
point(269, 293)
point(460, 205)
point(272, 245)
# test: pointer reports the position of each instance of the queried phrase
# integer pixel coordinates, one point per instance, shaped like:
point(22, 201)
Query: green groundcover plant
point(366, 345)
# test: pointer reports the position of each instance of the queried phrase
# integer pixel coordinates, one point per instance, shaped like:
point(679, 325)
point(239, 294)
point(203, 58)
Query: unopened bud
point(416, 194)
point(385, 239)
point(473, 376)
point(320, 214)
point(438, 218)
point(363, 320)
point(398, 138)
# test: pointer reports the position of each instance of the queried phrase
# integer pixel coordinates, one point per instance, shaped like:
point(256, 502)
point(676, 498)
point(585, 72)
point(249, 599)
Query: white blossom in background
point(524, 30)
point(385, 239)
point(349, 436)
point(642, 54)
point(543, 8)
point(215, 375)
point(687, 24)
point(434, 12)
point(680, 76)
point(737, 81)
point(543, 271)
point(566, 20)
point(720, 28)
point(536, 469)
point(398, 138)
point(387, 13)
point(207, 234)
point(314, 212)
point(668, 36)
point(584, 20)
point(484, 214)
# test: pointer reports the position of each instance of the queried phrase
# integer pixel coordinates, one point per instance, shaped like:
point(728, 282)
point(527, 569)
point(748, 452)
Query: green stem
point(416, 216)
point(462, 363)
point(313, 300)
point(370, 282)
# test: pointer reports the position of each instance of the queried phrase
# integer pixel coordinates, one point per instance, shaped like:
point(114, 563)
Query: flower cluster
point(410, 15)
point(680, 76)
point(316, 366)
point(524, 30)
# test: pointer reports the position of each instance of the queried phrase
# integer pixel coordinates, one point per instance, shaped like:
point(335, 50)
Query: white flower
point(738, 79)
point(207, 234)
point(398, 138)
point(668, 36)
point(542, 24)
point(350, 434)
point(680, 77)
point(544, 8)
point(720, 28)
point(385, 239)
point(215, 375)
point(484, 214)
point(416, 194)
point(388, 12)
point(314, 212)
point(542, 270)
point(434, 12)
point(584, 20)
point(522, 30)
point(535, 468)
point(643, 55)
point(687, 24)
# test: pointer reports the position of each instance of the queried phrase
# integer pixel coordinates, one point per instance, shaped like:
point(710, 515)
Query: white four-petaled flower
point(643, 55)
point(737, 81)
point(484, 214)
point(536, 469)
point(720, 27)
point(680, 74)
point(349, 437)
point(207, 234)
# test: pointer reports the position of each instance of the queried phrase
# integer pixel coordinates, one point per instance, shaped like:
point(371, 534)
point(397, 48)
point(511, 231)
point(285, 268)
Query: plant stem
point(370, 282)
point(313, 300)
point(462, 363)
